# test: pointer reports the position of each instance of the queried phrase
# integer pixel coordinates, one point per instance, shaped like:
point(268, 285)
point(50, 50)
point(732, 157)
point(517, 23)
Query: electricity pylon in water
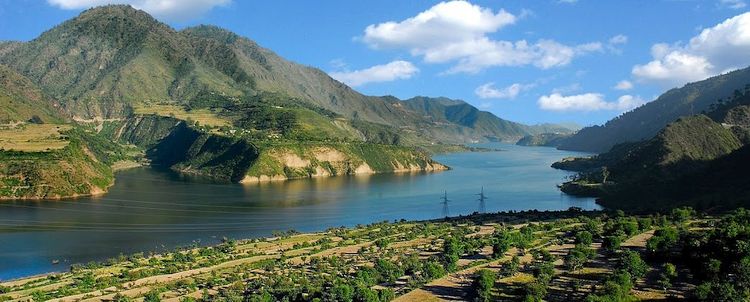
point(482, 204)
point(446, 212)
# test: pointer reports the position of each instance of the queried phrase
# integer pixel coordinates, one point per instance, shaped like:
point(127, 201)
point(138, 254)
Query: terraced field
point(32, 137)
point(405, 261)
point(202, 116)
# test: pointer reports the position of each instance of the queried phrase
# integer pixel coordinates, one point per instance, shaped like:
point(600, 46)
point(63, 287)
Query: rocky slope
point(174, 144)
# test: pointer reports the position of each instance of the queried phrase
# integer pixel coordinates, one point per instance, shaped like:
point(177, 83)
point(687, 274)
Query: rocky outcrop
point(292, 162)
point(174, 144)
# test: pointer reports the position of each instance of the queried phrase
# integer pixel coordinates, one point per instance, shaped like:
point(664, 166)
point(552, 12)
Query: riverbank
point(156, 209)
point(405, 259)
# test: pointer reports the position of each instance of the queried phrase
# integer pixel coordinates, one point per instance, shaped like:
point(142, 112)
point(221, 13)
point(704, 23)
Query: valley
point(145, 156)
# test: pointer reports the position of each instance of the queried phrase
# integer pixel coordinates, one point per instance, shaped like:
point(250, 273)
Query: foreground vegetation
point(531, 256)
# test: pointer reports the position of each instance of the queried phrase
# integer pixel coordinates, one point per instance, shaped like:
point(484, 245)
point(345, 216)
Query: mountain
point(698, 160)
point(113, 88)
point(543, 139)
point(21, 100)
point(646, 121)
point(111, 61)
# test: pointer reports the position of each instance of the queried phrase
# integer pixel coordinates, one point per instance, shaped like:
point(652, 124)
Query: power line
point(482, 204)
point(446, 211)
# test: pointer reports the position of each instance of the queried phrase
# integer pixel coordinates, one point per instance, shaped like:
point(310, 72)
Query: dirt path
point(455, 286)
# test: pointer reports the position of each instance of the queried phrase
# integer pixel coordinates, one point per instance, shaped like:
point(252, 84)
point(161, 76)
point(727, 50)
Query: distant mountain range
point(646, 121)
point(112, 59)
point(115, 88)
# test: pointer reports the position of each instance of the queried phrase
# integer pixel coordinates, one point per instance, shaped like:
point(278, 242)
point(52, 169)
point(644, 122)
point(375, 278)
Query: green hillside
point(543, 139)
point(112, 60)
point(21, 100)
point(693, 161)
point(206, 101)
point(83, 167)
point(646, 121)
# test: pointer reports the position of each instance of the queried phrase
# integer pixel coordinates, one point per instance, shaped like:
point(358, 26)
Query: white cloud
point(172, 10)
point(627, 102)
point(396, 70)
point(457, 32)
point(567, 1)
point(614, 43)
point(488, 91)
point(733, 4)
point(623, 85)
point(618, 39)
point(444, 23)
point(715, 50)
point(587, 102)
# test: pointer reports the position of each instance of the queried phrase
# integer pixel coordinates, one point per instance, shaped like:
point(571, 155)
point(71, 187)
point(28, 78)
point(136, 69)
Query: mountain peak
point(212, 32)
point(116, 12)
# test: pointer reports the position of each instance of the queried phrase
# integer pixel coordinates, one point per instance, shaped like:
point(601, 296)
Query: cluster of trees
point(581, 253)
point(718, 259)
point(543, 270)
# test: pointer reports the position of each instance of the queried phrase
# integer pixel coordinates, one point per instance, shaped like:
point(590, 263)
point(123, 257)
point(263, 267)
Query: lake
point(154, 210)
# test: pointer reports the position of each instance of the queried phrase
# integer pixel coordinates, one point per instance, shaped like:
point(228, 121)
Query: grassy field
point(33, 137)
point(405, 261)
point(203, 116)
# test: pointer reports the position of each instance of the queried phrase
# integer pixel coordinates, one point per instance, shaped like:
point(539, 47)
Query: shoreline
point(519, 216)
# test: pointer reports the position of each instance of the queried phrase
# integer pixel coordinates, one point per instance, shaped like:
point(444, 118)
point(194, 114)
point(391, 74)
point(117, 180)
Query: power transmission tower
point(482, 204)
point(446, 212)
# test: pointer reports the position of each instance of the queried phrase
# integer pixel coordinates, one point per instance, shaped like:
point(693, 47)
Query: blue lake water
point(153, 210)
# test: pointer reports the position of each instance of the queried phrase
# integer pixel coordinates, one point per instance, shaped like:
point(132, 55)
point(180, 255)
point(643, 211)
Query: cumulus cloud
point(488, 91)
point(396, 70)
point(457, 32)
point(715, 50)
point(623, 85)
point(587, 102)
point(172, 10)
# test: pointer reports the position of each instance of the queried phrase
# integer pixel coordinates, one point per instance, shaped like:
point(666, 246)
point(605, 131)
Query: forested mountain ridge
point(110, 61)
point(646, 121)
point(201, 100)
point(697, 160)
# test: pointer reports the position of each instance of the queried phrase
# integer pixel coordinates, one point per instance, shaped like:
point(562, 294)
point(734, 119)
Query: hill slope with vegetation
point(21, 100)
point(646, 121)
point(518, 256)
point(111, 60)
point(694, 161)
point(204, 100)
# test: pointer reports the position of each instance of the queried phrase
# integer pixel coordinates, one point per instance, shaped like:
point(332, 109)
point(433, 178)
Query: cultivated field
point(202, 116)
point(405, 261)
point(33, 137)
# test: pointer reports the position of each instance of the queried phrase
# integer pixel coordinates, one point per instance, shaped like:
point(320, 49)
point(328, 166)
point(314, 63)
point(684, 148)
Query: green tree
point(584, 237)
point(612, 243)
point(668, 273)
point(451, 253)
point(632, 263)
point(484, 281)
point(535, 291)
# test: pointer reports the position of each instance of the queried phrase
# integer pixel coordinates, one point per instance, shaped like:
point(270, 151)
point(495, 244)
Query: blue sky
point(526, 61)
